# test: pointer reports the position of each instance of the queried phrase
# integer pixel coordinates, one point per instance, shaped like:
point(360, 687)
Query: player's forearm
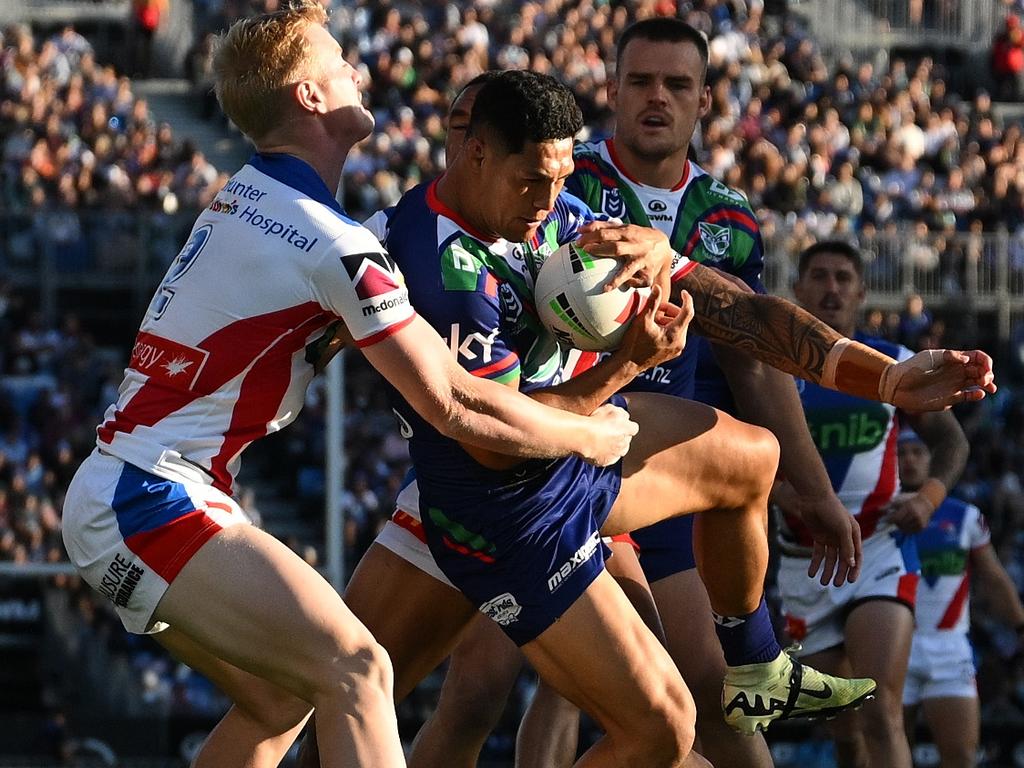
point(583, 394)
point(1000, 595)
point(767, 397)
point(784, 336)
point(948, 445)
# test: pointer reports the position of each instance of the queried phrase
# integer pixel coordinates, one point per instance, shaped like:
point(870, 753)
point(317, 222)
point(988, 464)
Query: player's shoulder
point(379, 223)
point(712, 193)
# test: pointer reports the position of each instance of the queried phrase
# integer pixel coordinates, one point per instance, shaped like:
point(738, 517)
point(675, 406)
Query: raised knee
point(359, 668)
point(668, 732)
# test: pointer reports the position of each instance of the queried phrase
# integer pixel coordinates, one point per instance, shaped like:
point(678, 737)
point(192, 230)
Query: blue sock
point(747, 639)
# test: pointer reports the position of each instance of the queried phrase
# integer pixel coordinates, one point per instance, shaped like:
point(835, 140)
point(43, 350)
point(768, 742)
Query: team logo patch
point(716, 239)
point(373, 274)
point(504, 609)
point(612, 203)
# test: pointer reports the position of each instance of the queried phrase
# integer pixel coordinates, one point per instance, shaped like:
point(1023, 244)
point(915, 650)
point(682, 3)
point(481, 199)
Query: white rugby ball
point(573, 305)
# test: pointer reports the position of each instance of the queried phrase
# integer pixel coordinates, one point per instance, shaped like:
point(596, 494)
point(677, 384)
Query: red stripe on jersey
point(490, 284)
point(683, 271)
point(610, 143)
point(404, 520)
point(259, 397)
point(956, 607)
point(369, 341)
point(438, 207)
point(906, 589)
point(588, 165)
point(586, 361)
point(231, 350)
point(166, 549)
point(630, 310)
point(873, 506)
point(509, 361)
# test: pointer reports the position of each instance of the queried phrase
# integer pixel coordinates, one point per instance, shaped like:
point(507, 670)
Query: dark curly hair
point(519, 106)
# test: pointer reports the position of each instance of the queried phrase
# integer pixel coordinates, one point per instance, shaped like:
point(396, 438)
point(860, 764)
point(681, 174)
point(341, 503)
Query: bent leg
point(688, 457)
point(878, 636)
point(846, 730)
point(602, 657)
point(481, 673)
point(549, 734)
point(954, 724)
point(415, 617)
point(249, 600)
point(260, 727)
point(686, 615)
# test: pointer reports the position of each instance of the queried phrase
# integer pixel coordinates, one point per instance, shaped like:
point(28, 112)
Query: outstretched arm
point(995, 583)
point(786, 337)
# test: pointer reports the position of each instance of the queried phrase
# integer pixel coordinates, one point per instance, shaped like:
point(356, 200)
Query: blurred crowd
point(881, 151)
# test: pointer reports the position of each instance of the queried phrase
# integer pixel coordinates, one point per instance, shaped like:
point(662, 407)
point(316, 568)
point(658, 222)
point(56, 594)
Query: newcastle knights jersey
point(705, 221)
point(856, 439)
point(226, 349)
point(944, 548)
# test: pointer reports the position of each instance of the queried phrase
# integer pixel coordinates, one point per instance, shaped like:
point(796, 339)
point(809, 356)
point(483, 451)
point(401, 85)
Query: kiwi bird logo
point(716, 239)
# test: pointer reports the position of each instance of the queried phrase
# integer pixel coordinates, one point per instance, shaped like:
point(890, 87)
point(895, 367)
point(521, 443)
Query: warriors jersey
point(226, 349)
point(478, 294)
point(705, 221)
point(857, 442)
point(944, 548)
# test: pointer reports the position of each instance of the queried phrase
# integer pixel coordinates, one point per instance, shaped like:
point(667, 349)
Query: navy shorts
point(666, 548)
point(528, 545)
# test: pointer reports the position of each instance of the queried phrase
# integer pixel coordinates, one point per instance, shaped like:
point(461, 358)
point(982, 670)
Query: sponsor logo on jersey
point(716, 239)
point(120, 580)
point(578, 558)
point(504, 609)
point(245, 191)
point(385, 304)
point(168, 360)
point(229, 207)
point(657, 206)
point(612, 202)
point(842, 430)
point(721, 190)
point(373, 274)
point(273, 228)
point(943, 562)
point(473, 345)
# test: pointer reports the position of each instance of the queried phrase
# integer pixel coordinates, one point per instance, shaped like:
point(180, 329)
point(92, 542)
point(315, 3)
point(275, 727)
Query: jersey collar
point(621, 168)
point(299, 175)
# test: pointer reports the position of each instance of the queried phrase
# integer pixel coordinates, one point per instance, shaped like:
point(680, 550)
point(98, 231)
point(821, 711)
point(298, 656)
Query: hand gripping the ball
point(936, 379)
point(658, 332)
point(645, 253)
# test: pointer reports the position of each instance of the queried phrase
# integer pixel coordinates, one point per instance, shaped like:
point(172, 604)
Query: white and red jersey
point(856, 439)
point(944, 548)
point(221, 357)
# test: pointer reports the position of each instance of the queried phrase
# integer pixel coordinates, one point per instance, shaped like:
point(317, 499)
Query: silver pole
point(335, 471)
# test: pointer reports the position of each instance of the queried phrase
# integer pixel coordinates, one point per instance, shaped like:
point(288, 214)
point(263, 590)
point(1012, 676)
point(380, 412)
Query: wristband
point(934, 490)
point(856, 369)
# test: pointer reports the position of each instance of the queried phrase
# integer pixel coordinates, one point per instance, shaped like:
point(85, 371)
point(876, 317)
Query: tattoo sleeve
point(768, 328)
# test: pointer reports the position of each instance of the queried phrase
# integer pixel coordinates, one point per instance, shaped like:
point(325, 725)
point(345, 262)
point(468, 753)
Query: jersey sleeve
point(466, 310)
point(359, 282)
point(977, 529)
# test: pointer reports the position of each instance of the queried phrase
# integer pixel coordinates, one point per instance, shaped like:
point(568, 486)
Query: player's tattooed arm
point(768, 328)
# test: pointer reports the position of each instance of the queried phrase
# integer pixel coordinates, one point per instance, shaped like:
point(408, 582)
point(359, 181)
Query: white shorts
point(403, 534)
point(816, 615)
point(941, 666)
point(130, 532)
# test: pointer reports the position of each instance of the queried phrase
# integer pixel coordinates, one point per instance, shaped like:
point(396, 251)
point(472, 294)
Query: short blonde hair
point(257, 58)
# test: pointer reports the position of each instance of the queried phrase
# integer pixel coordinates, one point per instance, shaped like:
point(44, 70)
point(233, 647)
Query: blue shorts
point(666, 548)
point(527, 546)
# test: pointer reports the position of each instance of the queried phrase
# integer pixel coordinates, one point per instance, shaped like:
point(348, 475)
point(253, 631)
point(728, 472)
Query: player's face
point(658, 96)
point(914, 459)
point(340, 82)
point(832, 291)
point(522, 187)
point(458, 121)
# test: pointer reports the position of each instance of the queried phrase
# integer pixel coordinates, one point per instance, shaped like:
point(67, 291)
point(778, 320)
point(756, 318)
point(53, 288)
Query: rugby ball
point(573, 305)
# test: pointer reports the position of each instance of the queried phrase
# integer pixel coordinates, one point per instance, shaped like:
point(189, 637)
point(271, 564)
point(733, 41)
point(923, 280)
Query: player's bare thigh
point(417, 618)
point(688, 457)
